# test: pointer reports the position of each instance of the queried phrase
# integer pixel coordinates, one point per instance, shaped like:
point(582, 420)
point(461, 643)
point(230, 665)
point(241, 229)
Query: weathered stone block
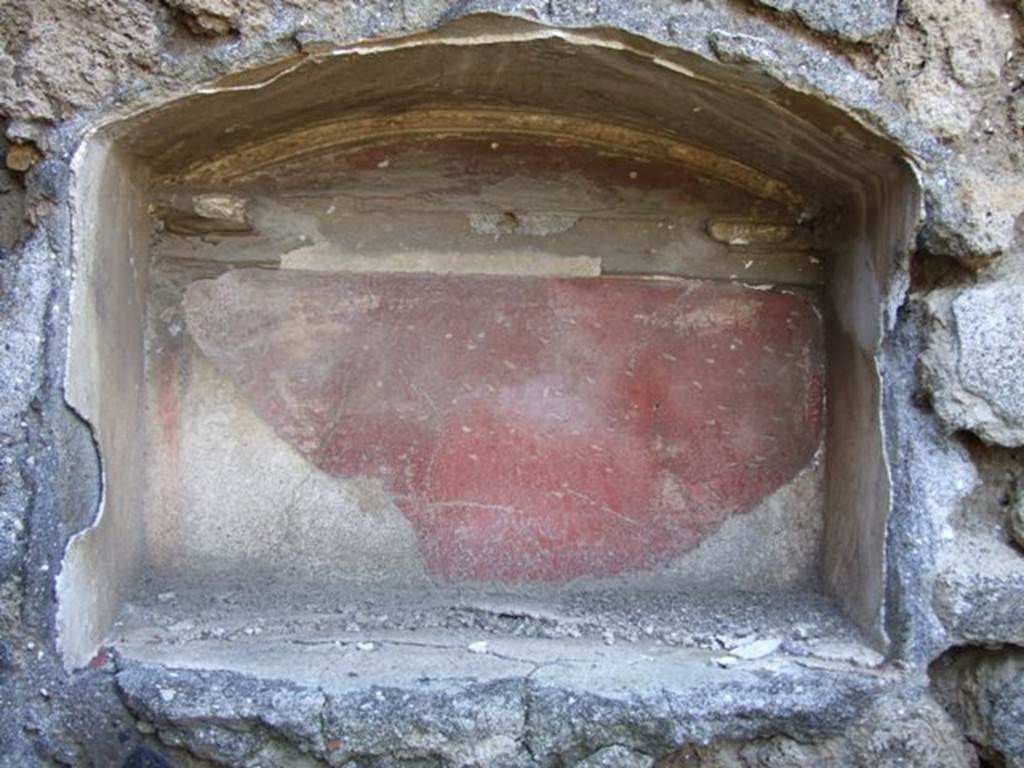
point(984, 690)
point(617, 756)
point(857, 21)
point(973, 367)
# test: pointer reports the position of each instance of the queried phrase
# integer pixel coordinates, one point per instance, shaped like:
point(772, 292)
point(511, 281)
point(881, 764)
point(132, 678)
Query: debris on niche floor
point(481, 624)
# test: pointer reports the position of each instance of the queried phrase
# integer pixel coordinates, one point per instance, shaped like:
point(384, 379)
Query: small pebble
point(757, 649)
point(144, 726)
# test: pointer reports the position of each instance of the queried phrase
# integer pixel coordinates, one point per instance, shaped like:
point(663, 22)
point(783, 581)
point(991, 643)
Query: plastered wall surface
point(923, 96)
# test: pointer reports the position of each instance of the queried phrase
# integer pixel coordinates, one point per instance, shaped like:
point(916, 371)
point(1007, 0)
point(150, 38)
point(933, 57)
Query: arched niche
point(454, 164)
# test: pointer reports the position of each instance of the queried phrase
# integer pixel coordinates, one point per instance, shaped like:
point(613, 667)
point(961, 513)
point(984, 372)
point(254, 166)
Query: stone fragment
point(930, 105)
point(143, 757)
point(208, 18)
point(906, 728)
point(974, 217)
point(281, 709)
point(145, 727)
point(616, 756)
point(849, 653)
point(227, 208)
point(855, 21)
point(479, 724)
point(977, 44)
point(982, 601)
point(535, 224)
point(733, 232)
point(972, 365)
point(994, 202)
point(22, 156)
point(983, 689)
point(1008, 722)
point(205, 214)
point(757, 649)
point(1016, 517)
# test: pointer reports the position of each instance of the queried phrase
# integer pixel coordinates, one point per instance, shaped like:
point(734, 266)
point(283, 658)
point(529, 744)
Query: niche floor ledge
point(447, 698)
point(630, 640)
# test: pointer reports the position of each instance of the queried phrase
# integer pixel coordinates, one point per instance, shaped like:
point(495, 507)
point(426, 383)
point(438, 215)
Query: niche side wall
point(866, 286)
point(103, 383)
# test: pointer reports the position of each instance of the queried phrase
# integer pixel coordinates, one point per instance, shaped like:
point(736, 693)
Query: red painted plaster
point(531, 429)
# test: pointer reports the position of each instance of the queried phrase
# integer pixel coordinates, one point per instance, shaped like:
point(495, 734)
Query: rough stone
point(932, 478)
point(858, 21)
point(481, 725)
point(237, 720)
point(24, 294)
point(757, 648)
point(972, 366)
point(21, 157)
point(1015, 517)
point(616, 756)
point(984, 690)
point(951, 63)
point(970, 218)
point(206, 214)
point(909, 728)
point(179, 703)
point(1007, 716)
point(949, 119)
point(938, 80)
point(207, 17)
point(143, 757)
point(12, 207)
point(910, 731)
point(978, 43)
point(70, 57)
point(982, 607)
point(996, 201)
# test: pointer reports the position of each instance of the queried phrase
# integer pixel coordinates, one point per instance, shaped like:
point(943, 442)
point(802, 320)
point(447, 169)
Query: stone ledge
point(521, 703)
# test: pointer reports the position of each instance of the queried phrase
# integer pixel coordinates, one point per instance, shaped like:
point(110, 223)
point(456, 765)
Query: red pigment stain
point(103, 657)
point(530, 429)
point(167, 372)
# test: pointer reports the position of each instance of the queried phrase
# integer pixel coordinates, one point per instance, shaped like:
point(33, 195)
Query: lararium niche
point(497, 329)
